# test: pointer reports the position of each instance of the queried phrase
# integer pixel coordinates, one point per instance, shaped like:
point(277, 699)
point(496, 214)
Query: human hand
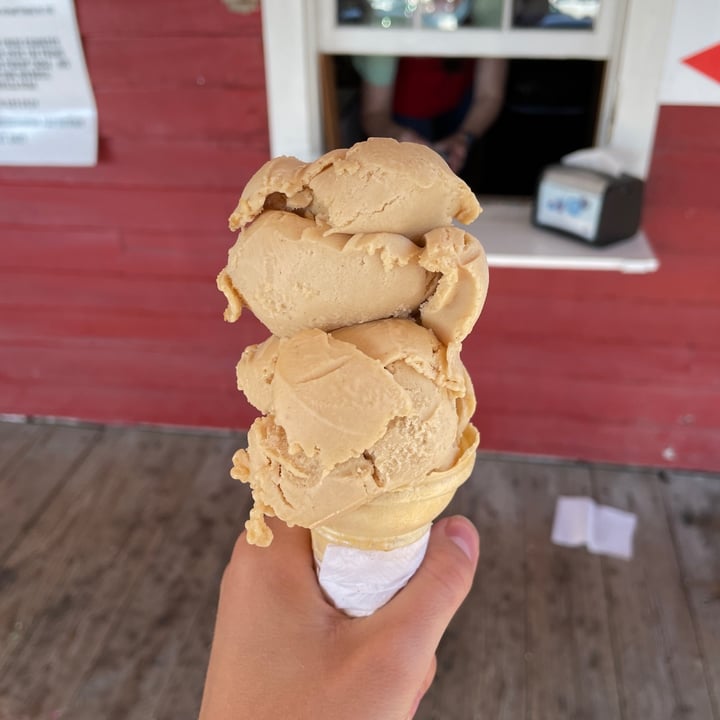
point(282, 651)
point(454, 149)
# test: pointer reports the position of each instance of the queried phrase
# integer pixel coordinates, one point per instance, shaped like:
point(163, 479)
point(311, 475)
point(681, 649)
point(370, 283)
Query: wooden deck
point(112, 543)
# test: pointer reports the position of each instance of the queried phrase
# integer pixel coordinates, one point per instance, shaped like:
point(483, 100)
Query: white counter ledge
point(510, 240)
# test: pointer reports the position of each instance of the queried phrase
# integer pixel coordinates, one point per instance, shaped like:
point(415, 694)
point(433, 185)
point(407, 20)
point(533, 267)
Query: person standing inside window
point(447, 103)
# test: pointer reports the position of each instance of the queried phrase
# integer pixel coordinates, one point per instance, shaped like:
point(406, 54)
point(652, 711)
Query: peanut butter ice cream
point(294, 276)
point(353, 264)
point(359, 235)
point(379, 185)
point(347, 416)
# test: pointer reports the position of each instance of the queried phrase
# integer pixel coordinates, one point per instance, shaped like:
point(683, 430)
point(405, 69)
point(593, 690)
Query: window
point(549, 108)
point(629, 35)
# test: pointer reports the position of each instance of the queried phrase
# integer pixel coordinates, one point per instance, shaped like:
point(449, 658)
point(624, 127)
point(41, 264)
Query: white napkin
point(604, 530)
point(358, 582)
point(605, 160)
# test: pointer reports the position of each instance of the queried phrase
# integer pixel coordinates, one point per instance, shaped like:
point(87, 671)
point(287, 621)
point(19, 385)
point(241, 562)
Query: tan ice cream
point(352, 263)
point(398, 517)
point(379, 185)
point(372, 241)
point(294, 276)
point(348, 416)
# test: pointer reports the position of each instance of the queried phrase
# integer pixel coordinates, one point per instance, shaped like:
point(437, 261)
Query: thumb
point(440, 585)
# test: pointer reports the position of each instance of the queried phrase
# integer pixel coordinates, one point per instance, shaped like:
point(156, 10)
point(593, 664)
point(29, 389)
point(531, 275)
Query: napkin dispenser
point(595, 207)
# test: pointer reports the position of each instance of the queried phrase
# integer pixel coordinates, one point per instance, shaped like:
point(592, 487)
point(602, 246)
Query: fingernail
point(463, 534)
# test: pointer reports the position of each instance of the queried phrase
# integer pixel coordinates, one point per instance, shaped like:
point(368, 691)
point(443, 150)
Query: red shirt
point(426, 87)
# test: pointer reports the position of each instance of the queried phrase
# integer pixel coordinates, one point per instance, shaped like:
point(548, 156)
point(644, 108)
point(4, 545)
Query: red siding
point(617, 367)
point(108, 309)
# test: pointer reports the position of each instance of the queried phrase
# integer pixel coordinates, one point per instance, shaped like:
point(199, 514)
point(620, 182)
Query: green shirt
point(376, 69)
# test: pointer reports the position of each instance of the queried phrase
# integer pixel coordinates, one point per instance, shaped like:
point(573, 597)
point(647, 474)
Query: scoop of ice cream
point(457, 301)
point(293, 276)
point(346, 416)
point(379, 185)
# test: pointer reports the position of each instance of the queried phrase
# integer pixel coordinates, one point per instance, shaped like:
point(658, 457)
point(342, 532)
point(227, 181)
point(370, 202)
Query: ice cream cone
point(362, 394)
point(363, 557)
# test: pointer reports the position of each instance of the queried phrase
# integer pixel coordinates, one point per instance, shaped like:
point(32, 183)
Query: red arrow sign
point(706, 61)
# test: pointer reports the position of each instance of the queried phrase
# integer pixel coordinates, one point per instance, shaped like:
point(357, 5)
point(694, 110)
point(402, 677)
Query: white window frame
point(632, 35)
point(505, 41)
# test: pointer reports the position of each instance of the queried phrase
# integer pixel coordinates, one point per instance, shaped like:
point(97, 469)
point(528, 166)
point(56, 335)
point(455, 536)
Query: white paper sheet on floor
point(604, 530)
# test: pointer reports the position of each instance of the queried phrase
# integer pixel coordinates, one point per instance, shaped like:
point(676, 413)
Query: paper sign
point(47, 109)
point(692, 66)
point(604, 530)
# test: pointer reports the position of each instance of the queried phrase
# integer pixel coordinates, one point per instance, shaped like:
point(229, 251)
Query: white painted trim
point(612, 72)
point(466, 42)
point(292, 79)
point(506, 22)
point(641, 63)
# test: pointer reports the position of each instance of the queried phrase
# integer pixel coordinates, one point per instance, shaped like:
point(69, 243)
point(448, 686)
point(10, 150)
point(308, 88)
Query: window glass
point(452, 14)
point(435, 14)
point(556, 14)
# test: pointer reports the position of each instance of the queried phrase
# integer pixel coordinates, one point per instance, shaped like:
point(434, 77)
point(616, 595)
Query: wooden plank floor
point(112, 543)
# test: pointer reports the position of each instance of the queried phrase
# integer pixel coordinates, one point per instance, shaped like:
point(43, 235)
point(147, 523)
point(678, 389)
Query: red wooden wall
point(108, 308)
point(623, 368)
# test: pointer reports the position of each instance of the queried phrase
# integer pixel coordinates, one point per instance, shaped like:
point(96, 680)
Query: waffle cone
point(399, 517)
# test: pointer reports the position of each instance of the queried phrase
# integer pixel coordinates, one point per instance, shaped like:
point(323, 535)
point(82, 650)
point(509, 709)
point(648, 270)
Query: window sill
point(510, 240)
